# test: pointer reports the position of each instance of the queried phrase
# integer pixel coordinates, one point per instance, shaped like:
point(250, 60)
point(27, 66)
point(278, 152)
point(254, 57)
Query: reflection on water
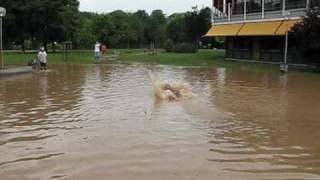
point(81, 122)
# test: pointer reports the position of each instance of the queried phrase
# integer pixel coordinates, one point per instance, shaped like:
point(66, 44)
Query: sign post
point(2, 14)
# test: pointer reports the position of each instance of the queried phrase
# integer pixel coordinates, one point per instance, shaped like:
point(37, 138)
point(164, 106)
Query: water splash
point(171, 91)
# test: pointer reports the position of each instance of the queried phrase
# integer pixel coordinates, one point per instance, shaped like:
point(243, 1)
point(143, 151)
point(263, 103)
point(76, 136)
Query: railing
point(314, 3)
point(261, 9)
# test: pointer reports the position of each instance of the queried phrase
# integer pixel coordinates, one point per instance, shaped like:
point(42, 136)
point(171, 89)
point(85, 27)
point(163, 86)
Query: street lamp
point(2, 14)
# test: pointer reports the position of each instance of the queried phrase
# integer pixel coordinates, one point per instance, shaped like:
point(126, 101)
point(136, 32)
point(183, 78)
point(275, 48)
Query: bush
point(168, 45)
point(185, 48)
point(306, 36)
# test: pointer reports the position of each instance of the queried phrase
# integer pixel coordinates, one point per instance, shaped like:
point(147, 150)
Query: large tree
point(139, 22)
point(306, 35)
point(85, 36)
point(40, 20)
point(198, 23)
point(176, 30)
point(156, 28)
point(16, 23)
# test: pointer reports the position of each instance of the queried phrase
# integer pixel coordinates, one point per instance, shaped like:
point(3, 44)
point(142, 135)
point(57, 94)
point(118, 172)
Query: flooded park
point(103, 122)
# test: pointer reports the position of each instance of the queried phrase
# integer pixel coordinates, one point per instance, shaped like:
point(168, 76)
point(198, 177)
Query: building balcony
point(259, 16)
point(260, 10)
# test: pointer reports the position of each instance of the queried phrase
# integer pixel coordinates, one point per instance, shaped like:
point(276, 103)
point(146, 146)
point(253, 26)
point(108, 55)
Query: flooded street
point(103, 122)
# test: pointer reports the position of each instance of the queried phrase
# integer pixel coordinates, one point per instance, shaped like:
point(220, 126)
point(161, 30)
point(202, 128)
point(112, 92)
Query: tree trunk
point(128, 45)
point(45, 46)
point(53, 47)
point(23, 47)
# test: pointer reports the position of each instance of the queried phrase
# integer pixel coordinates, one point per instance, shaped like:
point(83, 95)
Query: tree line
point(33, 23)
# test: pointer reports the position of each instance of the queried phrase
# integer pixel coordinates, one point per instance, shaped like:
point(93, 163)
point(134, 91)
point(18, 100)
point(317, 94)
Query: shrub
point(168, 45)
point(185, 48)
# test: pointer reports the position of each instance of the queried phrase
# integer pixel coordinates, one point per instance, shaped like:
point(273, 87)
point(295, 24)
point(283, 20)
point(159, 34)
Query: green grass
point(207, 58)
point(53, 58)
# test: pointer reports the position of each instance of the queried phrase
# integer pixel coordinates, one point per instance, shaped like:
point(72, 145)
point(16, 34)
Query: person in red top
point(104, 50)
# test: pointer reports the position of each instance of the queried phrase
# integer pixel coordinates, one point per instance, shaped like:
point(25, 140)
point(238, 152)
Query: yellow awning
point(224, 30)
point(268, 28)
point(287, 26)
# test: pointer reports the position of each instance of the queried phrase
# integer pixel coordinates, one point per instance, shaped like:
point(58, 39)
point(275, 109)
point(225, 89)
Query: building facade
point(256, 29)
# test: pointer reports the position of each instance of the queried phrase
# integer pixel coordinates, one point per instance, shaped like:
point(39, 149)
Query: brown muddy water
point(103, 122)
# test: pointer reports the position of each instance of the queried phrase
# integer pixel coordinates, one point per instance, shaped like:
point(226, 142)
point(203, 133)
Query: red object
point(104, 49)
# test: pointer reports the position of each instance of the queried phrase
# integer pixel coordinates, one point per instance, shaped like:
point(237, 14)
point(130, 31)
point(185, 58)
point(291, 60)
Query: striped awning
point(267, 28)
point(224, 30)
point(263, 28)
point(287, 26)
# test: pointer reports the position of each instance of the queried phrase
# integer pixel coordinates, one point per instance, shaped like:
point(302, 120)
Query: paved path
point(16, 70)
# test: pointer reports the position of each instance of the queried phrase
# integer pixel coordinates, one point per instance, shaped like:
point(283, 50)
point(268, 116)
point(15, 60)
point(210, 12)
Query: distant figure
point(42, 57)
point(97, 53)
point(104, 50)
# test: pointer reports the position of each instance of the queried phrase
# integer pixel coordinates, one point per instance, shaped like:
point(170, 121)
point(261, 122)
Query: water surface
point(103, 122)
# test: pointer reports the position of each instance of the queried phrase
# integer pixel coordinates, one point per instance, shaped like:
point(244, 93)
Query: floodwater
point(103, 122)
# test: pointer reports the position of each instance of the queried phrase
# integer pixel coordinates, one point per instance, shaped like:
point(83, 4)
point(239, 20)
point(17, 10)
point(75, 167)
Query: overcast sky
point(168, 6)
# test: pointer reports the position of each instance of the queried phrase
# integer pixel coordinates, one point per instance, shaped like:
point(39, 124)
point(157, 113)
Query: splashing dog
point(165, 90)
point(174, 91)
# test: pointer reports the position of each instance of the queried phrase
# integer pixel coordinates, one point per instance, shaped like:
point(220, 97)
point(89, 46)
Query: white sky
point(168, 6)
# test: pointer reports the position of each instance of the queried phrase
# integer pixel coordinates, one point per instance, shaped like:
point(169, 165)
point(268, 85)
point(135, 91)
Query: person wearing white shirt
point(42, 57)
point(97, 53)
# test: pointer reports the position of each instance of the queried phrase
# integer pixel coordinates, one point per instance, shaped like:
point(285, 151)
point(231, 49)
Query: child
point(42, 57)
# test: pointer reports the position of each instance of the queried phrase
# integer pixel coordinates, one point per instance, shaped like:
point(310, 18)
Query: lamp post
point(284, 66)
point(2, 14)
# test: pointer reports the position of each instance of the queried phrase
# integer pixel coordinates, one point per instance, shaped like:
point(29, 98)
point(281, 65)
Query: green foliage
point(306, 35)
point(176, 28)
point(197, 24)
point(185, 48)
point(84, 36)
point(155, 32)
point(32, 23)
point(169, 45)
point(43, 21)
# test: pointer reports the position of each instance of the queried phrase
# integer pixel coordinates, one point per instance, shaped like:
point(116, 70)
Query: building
point(256, 29)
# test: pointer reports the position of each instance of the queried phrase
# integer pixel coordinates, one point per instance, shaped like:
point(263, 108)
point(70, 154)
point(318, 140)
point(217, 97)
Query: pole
point(263, 6)
point(2, 60)
point(284, 66)
point(286, 47)
point(229, 12)
point(245, 10)
point(283, 7)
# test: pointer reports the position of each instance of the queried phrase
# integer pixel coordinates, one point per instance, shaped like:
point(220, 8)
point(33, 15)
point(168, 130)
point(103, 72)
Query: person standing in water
point(97, 53)
point(42, 57)
point(104, 50)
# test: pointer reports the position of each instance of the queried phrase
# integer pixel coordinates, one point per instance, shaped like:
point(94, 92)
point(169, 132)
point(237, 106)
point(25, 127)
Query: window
point(254, 6)
point(294, 4)
point(273, 5)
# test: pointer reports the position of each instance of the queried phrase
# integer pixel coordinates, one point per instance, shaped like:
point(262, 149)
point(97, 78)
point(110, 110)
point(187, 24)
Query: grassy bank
point(202, 58)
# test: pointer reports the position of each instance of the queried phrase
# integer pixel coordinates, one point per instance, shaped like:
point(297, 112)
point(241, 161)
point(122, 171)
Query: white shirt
point(97, 47)
point(42, 57)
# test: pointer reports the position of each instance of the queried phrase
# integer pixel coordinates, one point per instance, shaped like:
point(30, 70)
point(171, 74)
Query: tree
point(198, 23)
point(55, 20)
point(104, 29)
point(139, 22)
point(306, 35)
point(15, 23)
point(176, 30)
point(45, 20)
point(155, 31)
point(84, 36)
